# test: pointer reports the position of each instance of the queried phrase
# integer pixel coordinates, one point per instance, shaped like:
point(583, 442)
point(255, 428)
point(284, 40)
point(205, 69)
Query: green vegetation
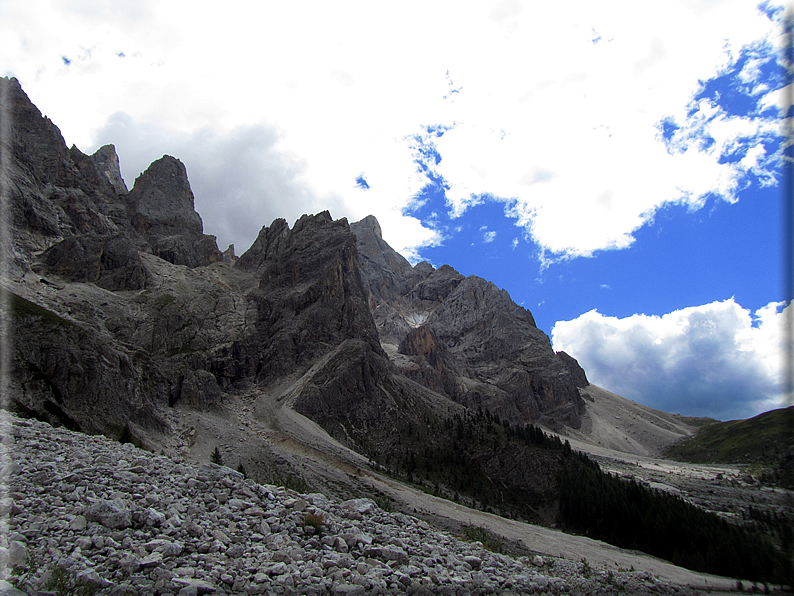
point(216, 457)
point(20, 307)
point(488, 539)
point(241, 469)
point(628, 515)
point(64, 584)
point(291, 482)
point(454, 458)
point(523, 473)
point(59, 581)
point(763, 439)
point(314, 520)
point(384, 502)
point(162, 301)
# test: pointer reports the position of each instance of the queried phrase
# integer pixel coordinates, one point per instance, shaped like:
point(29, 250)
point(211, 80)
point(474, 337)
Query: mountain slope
point(767, 441)
point(614, 423)
point(128, 321)
point(760, 439)
point(466, 339)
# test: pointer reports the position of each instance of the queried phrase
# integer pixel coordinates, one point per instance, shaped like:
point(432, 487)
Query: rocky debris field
point(84, 514)
point(729, 491)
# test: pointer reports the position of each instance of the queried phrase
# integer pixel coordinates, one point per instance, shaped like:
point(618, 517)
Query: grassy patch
point(762, 439)
point(489, 540)
point(20, 308)
point(163, 301)
point(291, 482)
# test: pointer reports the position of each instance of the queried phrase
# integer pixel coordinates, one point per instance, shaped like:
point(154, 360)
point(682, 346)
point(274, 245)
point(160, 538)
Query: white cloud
point(489, 236)
point(716, 359)
point(556, 111)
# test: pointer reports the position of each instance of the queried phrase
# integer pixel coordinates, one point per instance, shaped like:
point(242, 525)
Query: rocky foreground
point(82, 510)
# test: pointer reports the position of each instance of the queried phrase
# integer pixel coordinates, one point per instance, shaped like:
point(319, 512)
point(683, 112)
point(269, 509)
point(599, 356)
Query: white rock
point(17, 554)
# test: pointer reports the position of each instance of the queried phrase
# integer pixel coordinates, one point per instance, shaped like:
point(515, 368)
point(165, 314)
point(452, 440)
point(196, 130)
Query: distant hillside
point(762, 439)
point(765, 439)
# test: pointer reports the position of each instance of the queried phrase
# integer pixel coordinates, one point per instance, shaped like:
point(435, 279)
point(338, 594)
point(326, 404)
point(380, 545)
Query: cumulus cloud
point(244, 178)
point(717, 359)
point(573, 146)
point(575, 141)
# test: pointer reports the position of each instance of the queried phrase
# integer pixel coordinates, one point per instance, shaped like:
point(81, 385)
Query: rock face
point(310, 295)
point(106, 161)
point(126, 318)
point(110, 261)
point(80, 351)
point(162, 212)
point(467, 339)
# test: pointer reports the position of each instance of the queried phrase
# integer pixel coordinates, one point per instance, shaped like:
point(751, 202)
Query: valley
point(297, 446)
point(323, 361)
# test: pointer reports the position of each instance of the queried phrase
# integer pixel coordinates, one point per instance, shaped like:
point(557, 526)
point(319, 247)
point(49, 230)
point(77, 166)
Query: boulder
point(111, 513)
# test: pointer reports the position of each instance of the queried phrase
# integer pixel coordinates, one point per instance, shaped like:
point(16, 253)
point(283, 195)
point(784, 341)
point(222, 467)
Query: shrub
point(489, 540)
point(314, 520)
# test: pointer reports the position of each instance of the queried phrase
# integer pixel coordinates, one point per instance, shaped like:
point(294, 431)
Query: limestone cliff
point(466, 338)
point(126, 318)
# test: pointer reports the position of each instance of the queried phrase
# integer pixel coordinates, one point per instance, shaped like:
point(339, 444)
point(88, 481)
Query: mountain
point(319, 357)
point(123, 306)
point(466, 339)
point(125, 318)
point(764, 440)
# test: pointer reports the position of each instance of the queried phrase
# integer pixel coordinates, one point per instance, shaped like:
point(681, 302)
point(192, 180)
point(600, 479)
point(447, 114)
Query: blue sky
point(723, 249)
point(683, 258)
point(615, 168)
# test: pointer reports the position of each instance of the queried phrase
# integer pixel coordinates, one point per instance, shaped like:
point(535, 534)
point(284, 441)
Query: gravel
point(86, 510)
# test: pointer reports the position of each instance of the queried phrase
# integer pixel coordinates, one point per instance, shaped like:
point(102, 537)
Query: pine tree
point(216, 457)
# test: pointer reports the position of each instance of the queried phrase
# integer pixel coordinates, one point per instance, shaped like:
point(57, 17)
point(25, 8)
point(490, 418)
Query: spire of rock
point(161, 197)
point(163, 212)
point(107, 162)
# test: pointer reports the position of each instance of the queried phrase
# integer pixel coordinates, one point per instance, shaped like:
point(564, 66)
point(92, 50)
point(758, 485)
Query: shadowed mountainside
point(124, 313)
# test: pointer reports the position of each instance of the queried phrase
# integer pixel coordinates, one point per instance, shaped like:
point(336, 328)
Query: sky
point(615, 166)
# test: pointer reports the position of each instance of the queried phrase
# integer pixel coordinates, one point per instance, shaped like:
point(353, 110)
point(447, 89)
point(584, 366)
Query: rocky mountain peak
point(387, 273)
point(162, 211)
point(34, 138)
point(370, 223)
point(106, 161)
point(267, 244)
point(162, 196)
point(466, 338)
